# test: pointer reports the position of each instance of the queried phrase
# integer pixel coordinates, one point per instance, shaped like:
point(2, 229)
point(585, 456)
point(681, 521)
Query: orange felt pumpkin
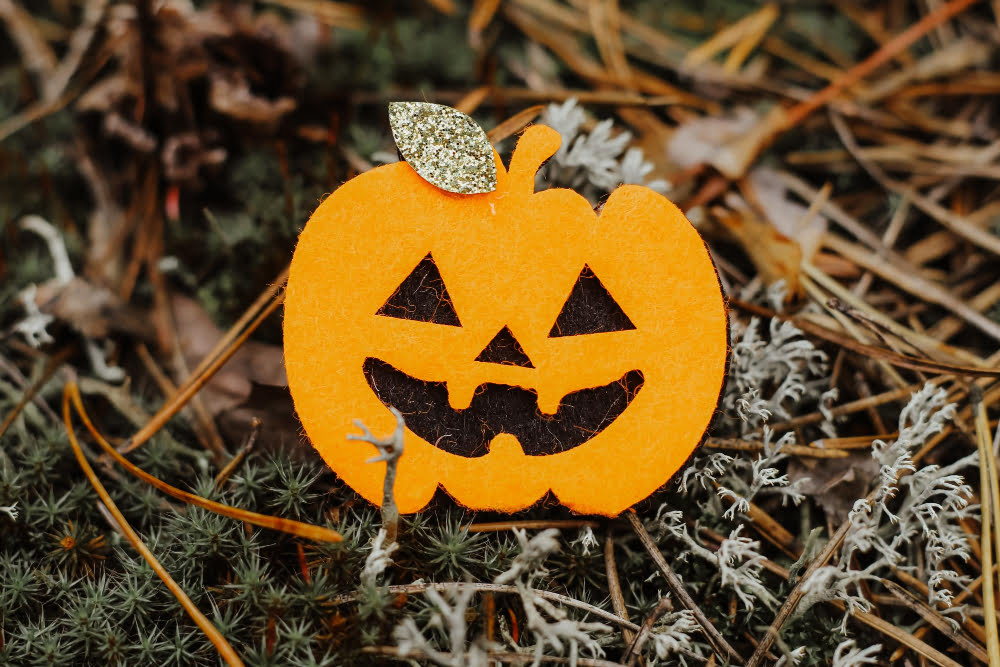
point(530, 343)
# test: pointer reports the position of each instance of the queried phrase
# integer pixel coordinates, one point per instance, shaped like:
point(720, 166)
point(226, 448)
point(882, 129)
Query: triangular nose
point(504, 349)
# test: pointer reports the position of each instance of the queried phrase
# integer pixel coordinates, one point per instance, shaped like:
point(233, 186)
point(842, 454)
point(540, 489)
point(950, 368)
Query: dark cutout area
point(422, 297)
point(499, 408)
point(504, 349)
point(590, 309)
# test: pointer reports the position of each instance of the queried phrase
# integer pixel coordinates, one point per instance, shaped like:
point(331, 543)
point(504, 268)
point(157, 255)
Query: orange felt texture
point(507, 258)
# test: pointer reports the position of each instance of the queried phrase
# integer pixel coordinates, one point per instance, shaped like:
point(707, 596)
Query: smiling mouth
point(500, 408)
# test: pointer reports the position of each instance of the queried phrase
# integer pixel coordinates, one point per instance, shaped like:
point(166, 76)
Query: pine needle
point(990, 509)
point(226, 651)
point(307, 530)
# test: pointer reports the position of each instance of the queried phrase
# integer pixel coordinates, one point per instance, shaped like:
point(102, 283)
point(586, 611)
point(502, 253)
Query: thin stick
point(318, 533)
point(228, 469)
point(390, 450)
point(635, 647)
point(225, 650)
point(51, 366)
point(796, 595)
point(936, 620)
point(677, 588)
point(615, 587)
point(540, 524)
point(738, 445)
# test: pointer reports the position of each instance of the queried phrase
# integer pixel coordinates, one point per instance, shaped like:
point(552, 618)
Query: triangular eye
point(590, 309)
point(422, 297)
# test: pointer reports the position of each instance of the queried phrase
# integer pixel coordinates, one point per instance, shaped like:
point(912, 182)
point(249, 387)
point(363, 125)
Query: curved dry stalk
point(224, 648)
point(307, 530)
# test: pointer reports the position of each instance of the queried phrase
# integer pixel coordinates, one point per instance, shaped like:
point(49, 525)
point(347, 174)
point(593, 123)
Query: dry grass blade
point(336, 14)
point(226, 651)
point(482, 13)
point(990, 515)
point(936, 620)
point(922, 649)
point(751, 25)
point(514, 124)
point(892, 357)
point(890, 50)
point(306, 530)
point(677, 588)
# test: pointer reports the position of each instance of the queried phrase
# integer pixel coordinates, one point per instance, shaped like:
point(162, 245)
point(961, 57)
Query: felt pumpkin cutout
point(530, 343)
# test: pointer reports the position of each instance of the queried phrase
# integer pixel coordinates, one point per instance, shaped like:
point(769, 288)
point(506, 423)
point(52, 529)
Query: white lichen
point(784, 369)
point(448, 617)
point(33, 326)
point(671, 634)
point(587, 540)
point(592, 163)
point(549, 624)
point(847, 654)
point(379, 558)
point(737, 559)
point(10, 510)
point(913, 515)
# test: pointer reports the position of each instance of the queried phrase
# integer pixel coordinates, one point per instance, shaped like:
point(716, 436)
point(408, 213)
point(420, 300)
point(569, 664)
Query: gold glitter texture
point(444, 146)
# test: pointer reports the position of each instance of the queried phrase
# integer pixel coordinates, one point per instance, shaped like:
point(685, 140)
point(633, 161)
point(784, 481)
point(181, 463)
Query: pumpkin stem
point(537, 144)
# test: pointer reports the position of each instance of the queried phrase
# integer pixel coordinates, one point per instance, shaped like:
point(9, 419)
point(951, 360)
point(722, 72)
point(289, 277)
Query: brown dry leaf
point(776, 256)
point(255, 362)
point(730, 143)
point(835, 484)
point(279, 426)
point(792, 219)
point(229, 94)
point(92, 310)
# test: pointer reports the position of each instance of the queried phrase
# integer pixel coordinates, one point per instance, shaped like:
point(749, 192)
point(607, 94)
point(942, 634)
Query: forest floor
point(159, 502)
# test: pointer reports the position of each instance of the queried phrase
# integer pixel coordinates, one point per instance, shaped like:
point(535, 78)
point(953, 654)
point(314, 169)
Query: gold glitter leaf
point(444, 146)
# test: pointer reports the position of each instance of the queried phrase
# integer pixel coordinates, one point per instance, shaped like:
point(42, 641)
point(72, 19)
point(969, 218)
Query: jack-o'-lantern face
point(530, 343)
